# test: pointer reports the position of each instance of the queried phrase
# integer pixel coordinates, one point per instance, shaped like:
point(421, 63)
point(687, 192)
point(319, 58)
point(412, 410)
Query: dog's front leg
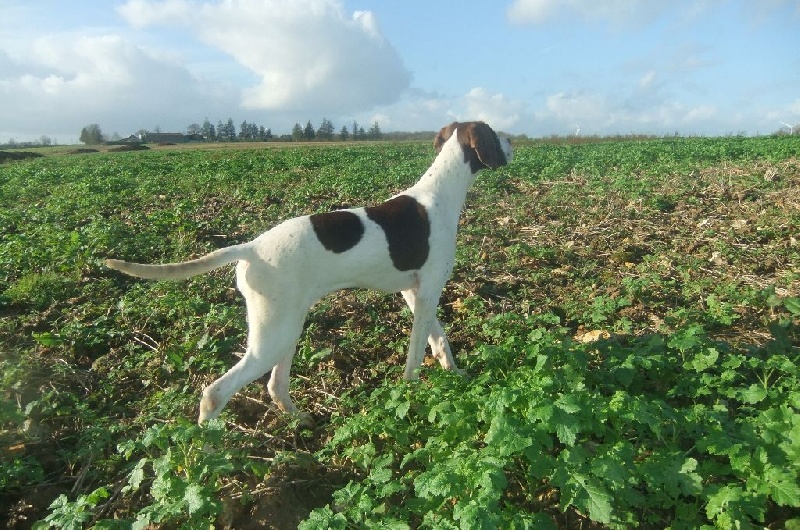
point(424, 309)
point(440, 347)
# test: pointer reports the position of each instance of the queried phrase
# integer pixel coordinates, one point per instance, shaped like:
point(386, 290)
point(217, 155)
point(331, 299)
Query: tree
point(45, 140)
point(91, 135)
point(308, 132)
point(230, 130)
point(208, 131)
point(326, 130)
point(344, 133)
point(375, 132)
point(227, 132)
point(194, 128)
point(355, 130)
point(252, 132)
point(297, 133)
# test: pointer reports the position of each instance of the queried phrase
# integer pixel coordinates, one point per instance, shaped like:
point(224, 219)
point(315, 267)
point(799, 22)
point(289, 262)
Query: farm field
point(627, 312)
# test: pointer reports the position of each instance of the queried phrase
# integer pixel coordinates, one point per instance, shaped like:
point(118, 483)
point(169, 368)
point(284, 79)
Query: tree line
point(250, 132)
point(327, 132)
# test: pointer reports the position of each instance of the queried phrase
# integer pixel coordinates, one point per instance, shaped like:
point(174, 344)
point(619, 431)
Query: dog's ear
point(483, 140)
point(444, 135)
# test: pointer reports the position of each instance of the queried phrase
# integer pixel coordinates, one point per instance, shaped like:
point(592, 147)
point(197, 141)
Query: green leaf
point(402, 410)
point(437, 482)
point(97, 495)
point(381, 476)
point(784, 488)
point(704, 359)
point(598, 501)
point(792, 303)
point(142, 521)
point(324, 519)
point(753, 394)
point(792, 524)
point(507, 436)
point(687, 339)
point(136, 476)
point(569, 403)
point(48, 339)
point(393, 524)
point(566, 433)
point(719, 501)
point(194, 498)
point(589, 495)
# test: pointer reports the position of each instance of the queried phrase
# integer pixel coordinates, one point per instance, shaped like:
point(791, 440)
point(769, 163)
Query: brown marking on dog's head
point(444, 135)
point(480, 143)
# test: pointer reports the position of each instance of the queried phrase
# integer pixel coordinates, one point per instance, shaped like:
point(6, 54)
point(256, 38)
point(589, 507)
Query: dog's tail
point(186, 269)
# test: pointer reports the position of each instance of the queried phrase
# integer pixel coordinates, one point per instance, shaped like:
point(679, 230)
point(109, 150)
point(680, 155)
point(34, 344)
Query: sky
point(534, 67)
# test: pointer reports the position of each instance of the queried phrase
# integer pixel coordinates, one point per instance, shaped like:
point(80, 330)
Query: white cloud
point(601, 114)
point(307, 54)
point(141, 13)
point(616, 12)
point(295, 60)
point(535, 11)
point(495, 109)
point(646, 81)
point(563, 112)
point(420, 110)
point(66, 81)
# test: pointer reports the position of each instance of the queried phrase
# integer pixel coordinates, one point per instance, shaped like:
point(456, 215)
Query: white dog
point(406, 244)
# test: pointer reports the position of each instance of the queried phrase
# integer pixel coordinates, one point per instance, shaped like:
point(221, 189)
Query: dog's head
point(481, 145)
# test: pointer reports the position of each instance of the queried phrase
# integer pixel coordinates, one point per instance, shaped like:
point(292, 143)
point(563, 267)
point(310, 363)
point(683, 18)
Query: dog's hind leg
point(217, 394)
point(270, 344)
point(278, 388)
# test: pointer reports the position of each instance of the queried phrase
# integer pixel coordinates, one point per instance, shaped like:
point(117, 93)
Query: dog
point(406, 244)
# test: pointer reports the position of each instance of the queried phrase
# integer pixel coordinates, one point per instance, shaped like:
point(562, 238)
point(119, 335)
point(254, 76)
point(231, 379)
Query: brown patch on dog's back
point(407, 228)
point(338, 231)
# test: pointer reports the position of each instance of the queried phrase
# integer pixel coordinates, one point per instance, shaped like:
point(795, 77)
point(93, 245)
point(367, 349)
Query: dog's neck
point(448, 179)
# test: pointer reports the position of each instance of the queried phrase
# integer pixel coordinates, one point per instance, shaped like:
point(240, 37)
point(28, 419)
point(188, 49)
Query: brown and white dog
point(406, 244)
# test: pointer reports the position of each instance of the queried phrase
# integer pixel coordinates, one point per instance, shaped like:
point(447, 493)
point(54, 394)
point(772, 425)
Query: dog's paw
point(304, 420)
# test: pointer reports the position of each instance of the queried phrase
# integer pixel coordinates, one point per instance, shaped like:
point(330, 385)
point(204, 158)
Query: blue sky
point(538, 67)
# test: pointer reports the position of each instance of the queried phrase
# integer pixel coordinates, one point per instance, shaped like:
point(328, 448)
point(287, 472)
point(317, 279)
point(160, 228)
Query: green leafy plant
point(626, 310)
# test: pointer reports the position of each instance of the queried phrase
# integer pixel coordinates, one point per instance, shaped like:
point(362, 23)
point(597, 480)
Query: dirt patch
point(125, 148)
point(285, 499)
point(81, 150)
point(9, 156)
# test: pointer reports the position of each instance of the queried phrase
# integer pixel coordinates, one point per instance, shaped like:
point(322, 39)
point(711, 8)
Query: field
point(627, 312)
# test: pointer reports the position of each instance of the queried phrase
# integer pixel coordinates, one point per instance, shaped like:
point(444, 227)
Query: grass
point(627, 312)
